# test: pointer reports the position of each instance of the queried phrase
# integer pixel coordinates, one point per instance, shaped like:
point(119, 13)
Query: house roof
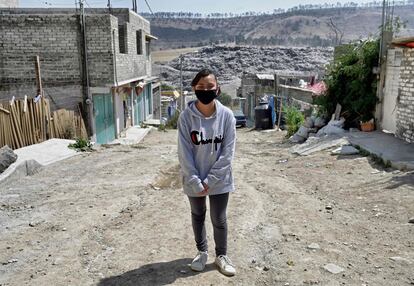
point(151, 37)
point(403, 40)
point(407, 42)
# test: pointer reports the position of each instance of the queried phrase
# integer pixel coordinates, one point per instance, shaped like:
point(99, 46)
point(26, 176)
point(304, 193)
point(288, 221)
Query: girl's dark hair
point(201, 74)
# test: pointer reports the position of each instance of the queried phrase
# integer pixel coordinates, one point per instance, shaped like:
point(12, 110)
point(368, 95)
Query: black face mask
point(206, 96)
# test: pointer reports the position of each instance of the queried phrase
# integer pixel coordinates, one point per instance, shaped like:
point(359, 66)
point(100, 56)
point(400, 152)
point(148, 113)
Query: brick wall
point(54, 35)
point(405, 110)
point(100, 50)
point(55, 39)
point(131, 65)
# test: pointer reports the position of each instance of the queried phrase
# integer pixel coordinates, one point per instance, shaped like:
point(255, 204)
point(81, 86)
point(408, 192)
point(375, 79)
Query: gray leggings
point(218, 207)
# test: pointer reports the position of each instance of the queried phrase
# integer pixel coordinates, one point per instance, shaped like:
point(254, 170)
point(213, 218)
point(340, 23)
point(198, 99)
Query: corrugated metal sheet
point(265, 76)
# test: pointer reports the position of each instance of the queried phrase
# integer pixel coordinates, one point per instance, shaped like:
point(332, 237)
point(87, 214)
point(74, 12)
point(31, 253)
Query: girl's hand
point(205, 189)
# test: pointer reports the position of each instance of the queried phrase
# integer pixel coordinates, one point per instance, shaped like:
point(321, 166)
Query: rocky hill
point(299, 28)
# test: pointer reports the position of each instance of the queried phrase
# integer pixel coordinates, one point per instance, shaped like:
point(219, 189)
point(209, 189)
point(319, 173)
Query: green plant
point(81, 144)
point(167, 87)
point(294, 119)
point(172, 122)
point(352, 83)
point(162, 127)
point(225, 99)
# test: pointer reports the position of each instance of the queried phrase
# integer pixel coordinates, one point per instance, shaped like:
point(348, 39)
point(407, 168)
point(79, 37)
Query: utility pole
point(181, 84)
point(109, 6)
point(87, 95)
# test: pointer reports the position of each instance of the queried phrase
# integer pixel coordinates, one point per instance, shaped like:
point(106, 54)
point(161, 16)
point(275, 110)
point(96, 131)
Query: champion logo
point(198, 139)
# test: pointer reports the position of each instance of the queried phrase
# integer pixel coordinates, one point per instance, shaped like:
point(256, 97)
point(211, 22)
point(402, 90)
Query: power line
point(149, 7)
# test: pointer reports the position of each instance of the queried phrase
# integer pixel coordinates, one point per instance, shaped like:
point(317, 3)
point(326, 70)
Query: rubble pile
point(230, 63)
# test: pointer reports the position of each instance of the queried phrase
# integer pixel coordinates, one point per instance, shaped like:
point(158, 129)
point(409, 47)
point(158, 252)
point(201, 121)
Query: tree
point(339, 34)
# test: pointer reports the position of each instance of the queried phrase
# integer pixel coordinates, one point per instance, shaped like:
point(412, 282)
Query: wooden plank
point(15, 141)
point(4, 110)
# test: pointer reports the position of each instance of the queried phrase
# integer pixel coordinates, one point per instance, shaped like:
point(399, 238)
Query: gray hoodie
point(206, 149)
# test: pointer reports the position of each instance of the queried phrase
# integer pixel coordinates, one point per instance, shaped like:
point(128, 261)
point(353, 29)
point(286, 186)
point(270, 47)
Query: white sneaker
point(225, 265)
point(199, 262)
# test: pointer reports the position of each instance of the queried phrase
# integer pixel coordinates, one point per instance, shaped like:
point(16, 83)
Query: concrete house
point(112, 79)
point(396, 109)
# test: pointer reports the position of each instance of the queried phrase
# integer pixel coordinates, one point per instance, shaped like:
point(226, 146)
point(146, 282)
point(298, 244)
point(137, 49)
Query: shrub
point(294, 119)
point(352, 83)
point(172, 122)
point(81, 145)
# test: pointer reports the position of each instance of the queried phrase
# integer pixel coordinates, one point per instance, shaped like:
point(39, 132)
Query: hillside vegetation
point(316, 27)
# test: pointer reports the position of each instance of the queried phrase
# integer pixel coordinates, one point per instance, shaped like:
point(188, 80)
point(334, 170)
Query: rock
point(253, 261)
point(290, 263)
point(303, 132)
point(64, 229)
point(319, 122)
point(313, 246)
point(183, 271)
point(309, 122)
point(7, 157)
point(265, 268)
point(411, 220)
point(345, 150)
point(400, 259)
point(328, 207)
point(33, 223)
point(330, 130)
point(333, 268)
point(297, 139)
point(10, 261)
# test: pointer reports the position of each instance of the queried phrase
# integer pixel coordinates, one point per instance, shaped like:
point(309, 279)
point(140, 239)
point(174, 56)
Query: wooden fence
point(26, 122)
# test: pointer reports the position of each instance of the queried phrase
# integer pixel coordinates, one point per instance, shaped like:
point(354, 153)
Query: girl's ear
point(193, 88)
point(218, 91)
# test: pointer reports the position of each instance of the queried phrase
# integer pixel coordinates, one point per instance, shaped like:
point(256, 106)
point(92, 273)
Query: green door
point(137, 107)
point(104, 118)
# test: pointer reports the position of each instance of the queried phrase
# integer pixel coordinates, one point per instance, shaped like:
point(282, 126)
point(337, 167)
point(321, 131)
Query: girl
point(206, 143)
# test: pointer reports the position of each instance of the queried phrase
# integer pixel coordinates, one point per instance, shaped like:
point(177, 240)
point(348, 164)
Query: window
point(139, 42)
point(122, 38)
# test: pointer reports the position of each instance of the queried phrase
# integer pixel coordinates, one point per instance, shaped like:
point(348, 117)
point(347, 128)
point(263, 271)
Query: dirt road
point(117, 216)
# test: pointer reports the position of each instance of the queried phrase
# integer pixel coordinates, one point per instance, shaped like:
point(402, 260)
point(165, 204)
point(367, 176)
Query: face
point(206, 83)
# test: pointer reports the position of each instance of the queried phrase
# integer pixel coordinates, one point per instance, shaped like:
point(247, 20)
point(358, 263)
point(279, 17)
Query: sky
point(201, 6)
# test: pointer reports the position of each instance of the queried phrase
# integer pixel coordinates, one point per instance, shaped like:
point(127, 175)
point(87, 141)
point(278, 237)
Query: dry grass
point(169, 55)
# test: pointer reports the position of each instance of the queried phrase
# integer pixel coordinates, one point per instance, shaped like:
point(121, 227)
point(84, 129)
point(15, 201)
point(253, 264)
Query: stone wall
point(405, 109)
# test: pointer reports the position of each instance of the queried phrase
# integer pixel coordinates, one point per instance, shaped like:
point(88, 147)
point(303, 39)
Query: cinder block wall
point(405, 110)
point(54, 35)
point(131, 64)
point(55, 39)
point(100, 50)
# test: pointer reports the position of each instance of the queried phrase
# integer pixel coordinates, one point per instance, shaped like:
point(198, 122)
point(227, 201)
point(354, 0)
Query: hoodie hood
point(195, 112)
